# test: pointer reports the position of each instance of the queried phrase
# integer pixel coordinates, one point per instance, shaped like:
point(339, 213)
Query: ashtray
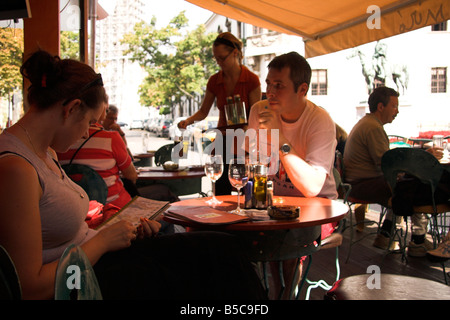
point(283, 212)
point(170, 166)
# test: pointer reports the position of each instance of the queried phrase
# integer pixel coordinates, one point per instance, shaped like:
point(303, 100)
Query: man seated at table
point(366, 144)
point(107, 154)
point(307, 136)
point(110, 123)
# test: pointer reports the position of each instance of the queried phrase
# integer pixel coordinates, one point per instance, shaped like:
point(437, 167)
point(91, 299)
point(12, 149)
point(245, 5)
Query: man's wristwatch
point(285, 149)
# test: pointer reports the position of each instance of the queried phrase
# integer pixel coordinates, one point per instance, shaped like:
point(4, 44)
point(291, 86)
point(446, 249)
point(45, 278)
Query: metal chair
point(423, 166)
point(10, 288)
point(75, 278)
point(164, 154)
point(279, 245)
point(332, 241)
point(351, 202)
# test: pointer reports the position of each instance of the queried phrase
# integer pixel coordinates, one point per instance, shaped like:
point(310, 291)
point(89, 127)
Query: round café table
point(387, 287)
point(143, 159)
point(181, 182)
point(313, 212)
point(269, 240)
point(158, 173)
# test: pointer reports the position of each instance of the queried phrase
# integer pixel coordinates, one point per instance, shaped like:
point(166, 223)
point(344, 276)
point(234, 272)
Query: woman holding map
point(43, 211)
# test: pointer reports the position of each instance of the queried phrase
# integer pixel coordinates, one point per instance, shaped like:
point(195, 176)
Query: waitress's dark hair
point(229, 40)
point(54, 79)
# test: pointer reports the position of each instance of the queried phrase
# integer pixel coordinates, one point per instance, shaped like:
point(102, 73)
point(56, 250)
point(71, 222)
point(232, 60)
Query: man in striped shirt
point(106, 153)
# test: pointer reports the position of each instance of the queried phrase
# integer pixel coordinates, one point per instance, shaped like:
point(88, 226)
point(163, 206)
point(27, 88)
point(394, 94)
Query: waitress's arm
point(202, 113)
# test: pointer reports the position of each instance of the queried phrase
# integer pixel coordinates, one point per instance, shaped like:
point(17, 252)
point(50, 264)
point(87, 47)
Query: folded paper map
point(204, 215)
point(135, 209)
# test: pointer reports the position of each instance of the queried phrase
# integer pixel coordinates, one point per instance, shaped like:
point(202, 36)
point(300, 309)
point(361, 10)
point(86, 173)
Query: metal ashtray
point(170, 166)
point(283, 212)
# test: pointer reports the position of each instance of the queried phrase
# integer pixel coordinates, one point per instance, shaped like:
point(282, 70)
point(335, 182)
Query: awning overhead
point(332, 25)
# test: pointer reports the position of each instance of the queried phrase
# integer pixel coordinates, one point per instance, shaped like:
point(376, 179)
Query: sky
point(165, 10)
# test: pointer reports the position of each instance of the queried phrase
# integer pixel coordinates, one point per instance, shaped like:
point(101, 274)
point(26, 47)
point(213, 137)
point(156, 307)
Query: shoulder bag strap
point(93, 134)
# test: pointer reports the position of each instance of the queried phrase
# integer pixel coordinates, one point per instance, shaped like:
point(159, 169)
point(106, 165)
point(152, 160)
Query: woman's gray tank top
point(62, 209)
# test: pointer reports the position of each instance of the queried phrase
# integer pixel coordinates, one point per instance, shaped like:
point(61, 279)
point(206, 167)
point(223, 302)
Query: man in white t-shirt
point(307, 136)
point(306, 132)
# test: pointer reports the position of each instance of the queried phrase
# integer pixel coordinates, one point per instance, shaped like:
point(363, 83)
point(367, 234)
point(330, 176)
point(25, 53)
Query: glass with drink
point(238, 173)
point(213, 170)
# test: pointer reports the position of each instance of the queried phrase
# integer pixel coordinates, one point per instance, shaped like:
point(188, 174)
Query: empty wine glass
point(214, 170)
point(238, 173)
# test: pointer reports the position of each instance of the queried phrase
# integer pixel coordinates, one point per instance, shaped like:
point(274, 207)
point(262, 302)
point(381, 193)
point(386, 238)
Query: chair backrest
point(10, 288)
point(163, 154)
point(89, 180)
point(75, 278)
point(339, 164)
point(415, 162)
point(342, 188)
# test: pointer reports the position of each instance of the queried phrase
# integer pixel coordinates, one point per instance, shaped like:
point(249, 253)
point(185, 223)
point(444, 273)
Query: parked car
point(175, 132)
point(147, 124)
point(154, 124)
point(163, 129)
point(137, 124)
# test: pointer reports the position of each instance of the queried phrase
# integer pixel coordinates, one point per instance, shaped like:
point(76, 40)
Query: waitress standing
point(233, 78)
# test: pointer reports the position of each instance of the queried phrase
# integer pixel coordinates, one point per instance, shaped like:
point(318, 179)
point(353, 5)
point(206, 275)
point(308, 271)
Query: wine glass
point(238, 173)
point(214, 170)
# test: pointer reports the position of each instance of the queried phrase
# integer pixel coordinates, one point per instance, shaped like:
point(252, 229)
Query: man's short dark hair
point(381, 94)
point(112, 109)
point(300, 70)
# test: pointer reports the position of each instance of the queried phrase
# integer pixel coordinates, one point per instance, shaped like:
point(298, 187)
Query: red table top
point(313, 212)
point(158, 173)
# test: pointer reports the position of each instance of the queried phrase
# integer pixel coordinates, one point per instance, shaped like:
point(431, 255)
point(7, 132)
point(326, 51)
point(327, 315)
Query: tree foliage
point(178, 62)
point(70, 45)
point(11, 52)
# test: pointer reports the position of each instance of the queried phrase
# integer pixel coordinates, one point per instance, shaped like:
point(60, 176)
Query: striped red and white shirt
point(107, 154)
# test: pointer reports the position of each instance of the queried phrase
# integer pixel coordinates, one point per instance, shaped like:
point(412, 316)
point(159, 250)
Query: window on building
point(319, 82)
point(439, 27)
point(438, 80)
point(257, 30)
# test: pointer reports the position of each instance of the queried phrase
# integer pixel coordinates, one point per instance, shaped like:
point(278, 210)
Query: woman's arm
point(21, 234)
point(121, 155)
point(305, 177)
point(20, 227)
point(202, 113)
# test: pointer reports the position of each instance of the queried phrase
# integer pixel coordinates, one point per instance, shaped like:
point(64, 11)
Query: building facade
point(121, 76)
point(414, 63)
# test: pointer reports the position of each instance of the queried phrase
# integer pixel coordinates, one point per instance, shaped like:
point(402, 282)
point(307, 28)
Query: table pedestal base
point(279, 246)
